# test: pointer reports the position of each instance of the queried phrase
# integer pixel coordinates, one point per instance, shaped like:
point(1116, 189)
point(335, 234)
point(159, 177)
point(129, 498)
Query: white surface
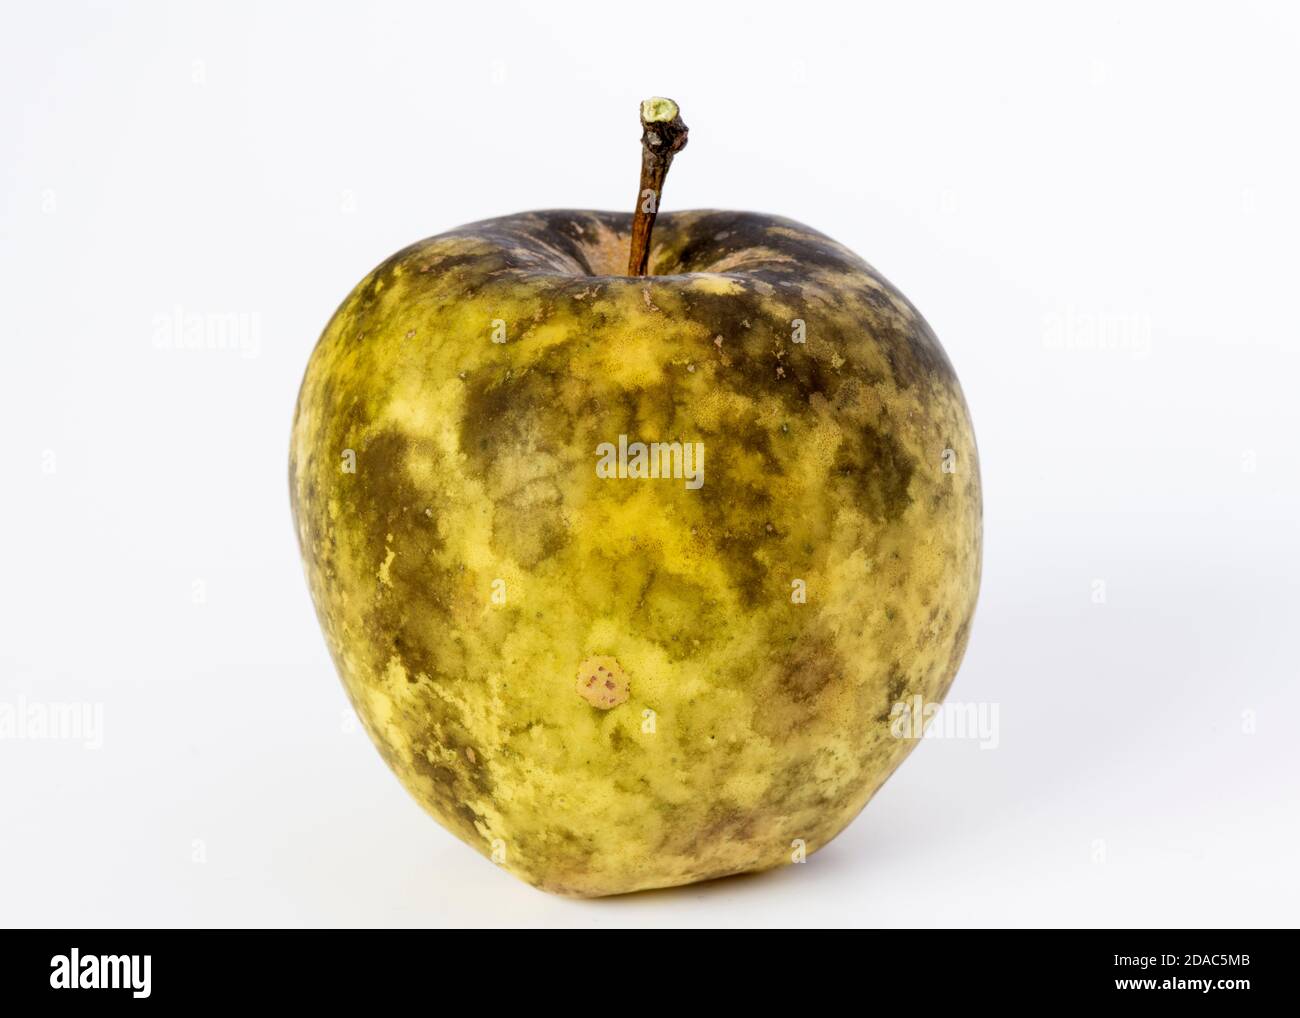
point(1020, 174)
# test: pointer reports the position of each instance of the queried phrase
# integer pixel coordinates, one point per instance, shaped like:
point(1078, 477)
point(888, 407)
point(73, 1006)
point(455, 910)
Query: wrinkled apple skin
point(466, 559)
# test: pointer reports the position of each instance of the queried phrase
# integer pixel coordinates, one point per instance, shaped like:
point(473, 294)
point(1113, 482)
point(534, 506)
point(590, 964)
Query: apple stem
point(663, 135)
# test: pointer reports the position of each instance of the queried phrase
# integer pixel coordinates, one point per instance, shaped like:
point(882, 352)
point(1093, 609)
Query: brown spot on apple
point(603, 683)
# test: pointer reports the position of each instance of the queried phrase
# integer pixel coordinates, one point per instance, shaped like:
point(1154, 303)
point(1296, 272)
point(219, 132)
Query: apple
point(629, 545)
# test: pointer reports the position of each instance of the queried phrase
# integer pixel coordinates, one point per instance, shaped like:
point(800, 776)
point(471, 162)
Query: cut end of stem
point(663, 135)
point(658, 110)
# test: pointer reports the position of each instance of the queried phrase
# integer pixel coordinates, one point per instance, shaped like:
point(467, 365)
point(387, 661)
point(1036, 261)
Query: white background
point(1097, 211)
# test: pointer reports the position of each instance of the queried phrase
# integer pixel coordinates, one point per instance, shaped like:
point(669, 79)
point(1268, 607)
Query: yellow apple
point(625, 575)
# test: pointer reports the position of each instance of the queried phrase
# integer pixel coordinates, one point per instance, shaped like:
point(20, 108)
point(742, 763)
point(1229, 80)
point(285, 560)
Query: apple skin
point(466, 560)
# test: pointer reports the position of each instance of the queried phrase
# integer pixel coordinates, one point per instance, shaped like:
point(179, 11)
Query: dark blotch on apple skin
point(717, 236)
point(753, 348)
point(808, 667)
point(401, 517)
point(498, 410)
point(388, 499)
point(877, 472)
point(894, 690)
point(807, 270)
point(384, 501)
